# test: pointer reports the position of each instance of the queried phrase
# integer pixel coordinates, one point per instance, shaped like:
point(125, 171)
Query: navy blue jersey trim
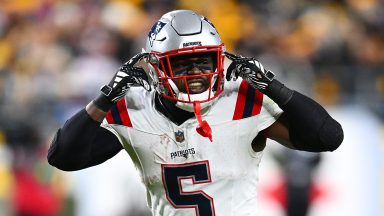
point(249, 102)
point(116, 115)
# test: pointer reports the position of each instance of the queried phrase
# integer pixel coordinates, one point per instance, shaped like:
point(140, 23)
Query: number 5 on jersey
point(173, 174)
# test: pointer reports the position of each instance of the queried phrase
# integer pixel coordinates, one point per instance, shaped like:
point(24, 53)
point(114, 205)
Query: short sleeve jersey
point(184, 172)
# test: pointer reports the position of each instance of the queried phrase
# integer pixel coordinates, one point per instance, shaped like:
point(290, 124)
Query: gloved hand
point(127, 76)
point(250, 70)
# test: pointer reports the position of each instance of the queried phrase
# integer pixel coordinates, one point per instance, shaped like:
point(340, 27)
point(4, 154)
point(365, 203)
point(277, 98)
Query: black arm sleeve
point(82, 143)
point(311, 128)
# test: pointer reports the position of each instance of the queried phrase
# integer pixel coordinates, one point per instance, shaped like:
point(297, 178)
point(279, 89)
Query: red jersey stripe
point(123, 112)
point(109, 117)
point(258, 102)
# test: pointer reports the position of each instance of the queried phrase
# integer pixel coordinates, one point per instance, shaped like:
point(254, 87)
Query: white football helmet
point(184, 33)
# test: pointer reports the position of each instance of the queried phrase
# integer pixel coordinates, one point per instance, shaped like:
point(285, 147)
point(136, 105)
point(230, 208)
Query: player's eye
point(180, 71)
point(203, 61)
point(182, 64)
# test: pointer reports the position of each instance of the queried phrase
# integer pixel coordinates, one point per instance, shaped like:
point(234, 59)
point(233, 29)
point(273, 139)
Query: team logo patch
point(179, 136)
point(154, 31)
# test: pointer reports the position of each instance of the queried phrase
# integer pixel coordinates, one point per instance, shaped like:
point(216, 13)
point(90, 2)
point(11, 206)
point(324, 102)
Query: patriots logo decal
point(154, 31)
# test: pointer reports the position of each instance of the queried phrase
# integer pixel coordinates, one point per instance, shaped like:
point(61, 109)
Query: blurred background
point(55, 55)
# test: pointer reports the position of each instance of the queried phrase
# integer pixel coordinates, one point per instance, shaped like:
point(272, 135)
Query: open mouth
point(197, 85)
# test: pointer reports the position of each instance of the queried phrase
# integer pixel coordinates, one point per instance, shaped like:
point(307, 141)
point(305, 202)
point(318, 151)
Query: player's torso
point(195, 166)
point(187, 174)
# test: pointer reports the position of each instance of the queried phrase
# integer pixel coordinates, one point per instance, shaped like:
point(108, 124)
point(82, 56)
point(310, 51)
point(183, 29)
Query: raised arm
point(81, 142)
point(304, 125)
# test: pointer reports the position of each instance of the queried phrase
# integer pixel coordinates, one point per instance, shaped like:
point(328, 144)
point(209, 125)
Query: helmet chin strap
point(203, 129)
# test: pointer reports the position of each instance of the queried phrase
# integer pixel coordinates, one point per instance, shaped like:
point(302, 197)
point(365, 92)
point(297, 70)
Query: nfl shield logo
point(179, 135)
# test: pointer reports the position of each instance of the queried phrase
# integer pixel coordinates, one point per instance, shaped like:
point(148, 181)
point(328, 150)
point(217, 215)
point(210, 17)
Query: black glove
point(250, 70)
point(127, 76)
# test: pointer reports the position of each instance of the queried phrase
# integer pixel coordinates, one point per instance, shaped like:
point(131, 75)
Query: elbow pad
point(71, 145)
point(82, 143)
point(331, 134)
point(311, 128)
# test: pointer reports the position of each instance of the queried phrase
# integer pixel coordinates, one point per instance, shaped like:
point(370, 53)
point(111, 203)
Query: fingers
point(136, 58)
point(231, 56)
point(238, 58)
point(136, 76)
point(145, 84)
point(140, 77)
point(231, 70)
point(258, 65)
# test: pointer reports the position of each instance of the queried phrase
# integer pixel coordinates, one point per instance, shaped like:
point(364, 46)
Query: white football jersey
point(184, 172)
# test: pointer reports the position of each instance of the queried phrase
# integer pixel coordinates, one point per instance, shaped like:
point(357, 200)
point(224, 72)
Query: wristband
point(102, 103)
point(278, 93)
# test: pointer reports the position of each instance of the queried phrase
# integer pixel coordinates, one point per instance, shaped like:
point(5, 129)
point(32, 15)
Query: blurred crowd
point(55, 55)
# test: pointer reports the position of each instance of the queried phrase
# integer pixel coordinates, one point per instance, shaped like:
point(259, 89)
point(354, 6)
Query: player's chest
point(174, 144)
point(182, 144)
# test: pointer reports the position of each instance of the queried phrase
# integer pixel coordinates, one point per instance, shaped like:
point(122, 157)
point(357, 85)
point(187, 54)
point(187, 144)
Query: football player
point(194, 129)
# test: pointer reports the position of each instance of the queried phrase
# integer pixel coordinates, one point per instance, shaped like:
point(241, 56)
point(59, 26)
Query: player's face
point(192, 72)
